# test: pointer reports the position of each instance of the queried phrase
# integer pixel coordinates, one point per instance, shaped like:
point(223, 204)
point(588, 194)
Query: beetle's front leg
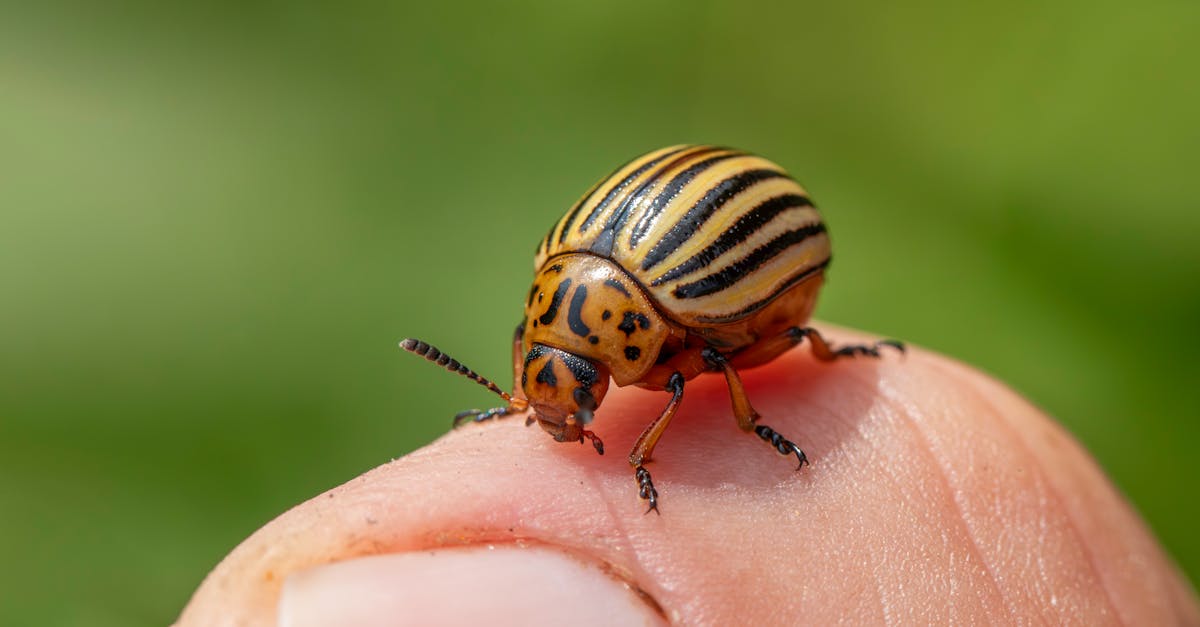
point(518, 404)
point(644, 446)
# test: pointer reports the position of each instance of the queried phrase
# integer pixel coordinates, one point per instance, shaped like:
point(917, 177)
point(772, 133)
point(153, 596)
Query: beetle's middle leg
point(747, 417)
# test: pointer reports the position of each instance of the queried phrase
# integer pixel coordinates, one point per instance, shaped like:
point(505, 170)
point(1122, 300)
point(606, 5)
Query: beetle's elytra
point(685, 260)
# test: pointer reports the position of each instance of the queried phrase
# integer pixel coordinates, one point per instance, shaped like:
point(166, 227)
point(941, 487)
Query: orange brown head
point(563, 390)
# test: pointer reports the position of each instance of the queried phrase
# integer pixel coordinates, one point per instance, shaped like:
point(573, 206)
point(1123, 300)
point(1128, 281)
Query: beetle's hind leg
point(824, 351)
point(747, 417)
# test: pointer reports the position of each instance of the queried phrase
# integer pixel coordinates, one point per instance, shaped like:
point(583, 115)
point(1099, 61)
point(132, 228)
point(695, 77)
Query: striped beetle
point(685, 260)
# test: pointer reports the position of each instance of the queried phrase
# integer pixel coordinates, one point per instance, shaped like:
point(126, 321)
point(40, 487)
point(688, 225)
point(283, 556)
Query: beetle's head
point(563, 390)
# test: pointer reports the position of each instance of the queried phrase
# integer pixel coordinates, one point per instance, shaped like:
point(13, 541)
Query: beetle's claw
point(782, 445)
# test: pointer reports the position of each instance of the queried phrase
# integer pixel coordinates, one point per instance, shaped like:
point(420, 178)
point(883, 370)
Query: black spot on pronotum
point(532, 292)
point(632, 353)
point(594, 340)
point(555, 301)
point(606, 315)
point(556, 268)
point(546, 374)
point(632, 321)
point(616, 285)
point(574, 314)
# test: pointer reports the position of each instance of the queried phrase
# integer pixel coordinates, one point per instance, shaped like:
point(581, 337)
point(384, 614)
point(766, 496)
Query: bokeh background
point(217, 219)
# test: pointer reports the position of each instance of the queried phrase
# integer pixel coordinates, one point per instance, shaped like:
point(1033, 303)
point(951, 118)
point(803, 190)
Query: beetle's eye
point(583, 416)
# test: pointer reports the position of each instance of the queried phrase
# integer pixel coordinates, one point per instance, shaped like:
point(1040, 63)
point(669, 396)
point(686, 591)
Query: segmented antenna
point(431, 353)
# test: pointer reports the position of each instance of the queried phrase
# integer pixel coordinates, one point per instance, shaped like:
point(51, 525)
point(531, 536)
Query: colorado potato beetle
point(685, 260)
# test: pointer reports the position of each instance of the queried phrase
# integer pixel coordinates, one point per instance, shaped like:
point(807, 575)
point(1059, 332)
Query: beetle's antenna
point(431, 353)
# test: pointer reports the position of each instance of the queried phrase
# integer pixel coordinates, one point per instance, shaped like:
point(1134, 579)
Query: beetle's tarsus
point(782, 445)
point(646, 489)
point(825, 352)
point(479, 415)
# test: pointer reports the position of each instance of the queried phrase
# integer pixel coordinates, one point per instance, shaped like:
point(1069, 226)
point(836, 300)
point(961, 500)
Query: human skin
point(935, 495)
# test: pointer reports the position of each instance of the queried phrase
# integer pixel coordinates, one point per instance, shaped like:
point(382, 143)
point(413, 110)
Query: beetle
point(685, 260)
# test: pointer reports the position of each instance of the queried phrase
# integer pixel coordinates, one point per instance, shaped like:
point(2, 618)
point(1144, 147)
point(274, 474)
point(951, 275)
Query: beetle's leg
point(518, 404)
point(747, 417)
point(644, 446)
point(518, 358)
point(767, 349)
point(823, 351)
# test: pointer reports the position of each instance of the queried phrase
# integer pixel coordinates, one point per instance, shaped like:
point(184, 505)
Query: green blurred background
point(217, 220)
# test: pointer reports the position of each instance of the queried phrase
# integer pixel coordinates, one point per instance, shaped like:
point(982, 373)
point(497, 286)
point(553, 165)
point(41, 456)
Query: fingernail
point(495, 586)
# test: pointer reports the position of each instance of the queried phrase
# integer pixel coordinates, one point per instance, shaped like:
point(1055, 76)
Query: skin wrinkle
point(1073, 525)
point(860, 428)
point(639, 572)
point(908, 416)
point(900, 413)
point(881, 596)
point(1044, 486)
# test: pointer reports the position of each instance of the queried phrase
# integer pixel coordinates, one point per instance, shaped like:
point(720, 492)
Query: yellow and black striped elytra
point(685, 260)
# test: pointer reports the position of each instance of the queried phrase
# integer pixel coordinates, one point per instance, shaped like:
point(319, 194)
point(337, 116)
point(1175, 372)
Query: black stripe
point(555, 301)
point(574, 319)
point(703, 210)
point(605, 240)
point(740, 231)
point(570, 217)
point(616, 285)
point(625, 182)
point(668, 193)
point(731, 274)
point(753, 307)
